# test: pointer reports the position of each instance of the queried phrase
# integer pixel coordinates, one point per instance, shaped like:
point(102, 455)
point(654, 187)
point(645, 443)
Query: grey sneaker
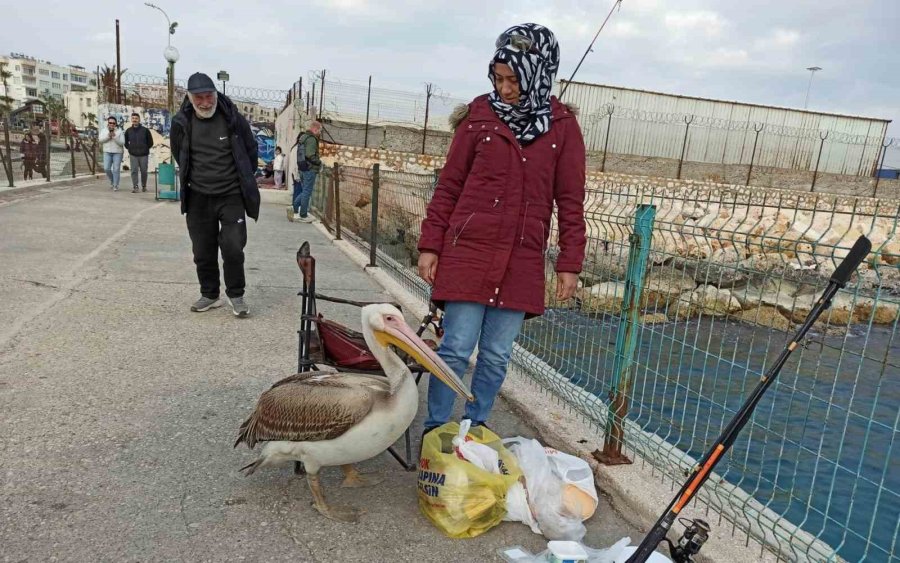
point(290, 214)
point(239, 308)
point(306, 219)
point(135, 190)
point(205, 304)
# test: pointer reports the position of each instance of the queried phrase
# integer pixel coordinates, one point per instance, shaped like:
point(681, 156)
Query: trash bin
point(166, 182)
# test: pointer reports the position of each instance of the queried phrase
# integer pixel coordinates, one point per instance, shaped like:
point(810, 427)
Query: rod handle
point(858, 253)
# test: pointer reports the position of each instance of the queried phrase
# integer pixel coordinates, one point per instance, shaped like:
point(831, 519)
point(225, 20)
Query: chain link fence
point(730, 273)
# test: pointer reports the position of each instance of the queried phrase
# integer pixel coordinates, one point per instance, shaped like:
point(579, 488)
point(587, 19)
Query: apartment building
point(32, 78)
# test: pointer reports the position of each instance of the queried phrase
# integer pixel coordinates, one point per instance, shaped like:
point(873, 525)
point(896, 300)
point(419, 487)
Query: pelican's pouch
point(459, 498)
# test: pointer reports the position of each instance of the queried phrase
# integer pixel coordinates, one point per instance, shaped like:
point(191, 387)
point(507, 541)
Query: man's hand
point(566, 284)
point(428, 262)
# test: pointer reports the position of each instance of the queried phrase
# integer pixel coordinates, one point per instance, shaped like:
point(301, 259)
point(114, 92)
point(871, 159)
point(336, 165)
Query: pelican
point(324, 419)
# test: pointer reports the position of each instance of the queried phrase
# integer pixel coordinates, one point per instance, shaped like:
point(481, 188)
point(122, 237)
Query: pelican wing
point(312, 408)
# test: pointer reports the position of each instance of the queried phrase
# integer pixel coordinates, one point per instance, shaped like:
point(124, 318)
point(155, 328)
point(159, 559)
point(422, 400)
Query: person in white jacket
point(113, 142)
point(278, 168)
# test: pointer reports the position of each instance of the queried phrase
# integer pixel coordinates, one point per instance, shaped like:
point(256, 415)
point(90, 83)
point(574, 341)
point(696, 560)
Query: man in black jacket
point(217, 156)
point(138, 142)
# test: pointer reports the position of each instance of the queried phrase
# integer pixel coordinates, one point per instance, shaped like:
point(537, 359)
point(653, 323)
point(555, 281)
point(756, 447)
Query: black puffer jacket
point(243, 147)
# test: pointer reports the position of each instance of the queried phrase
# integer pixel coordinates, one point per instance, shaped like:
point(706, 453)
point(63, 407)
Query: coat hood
point(461, 112)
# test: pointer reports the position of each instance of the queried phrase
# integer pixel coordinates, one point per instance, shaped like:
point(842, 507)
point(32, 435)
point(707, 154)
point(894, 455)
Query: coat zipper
point(525, 220)
point(463, 228)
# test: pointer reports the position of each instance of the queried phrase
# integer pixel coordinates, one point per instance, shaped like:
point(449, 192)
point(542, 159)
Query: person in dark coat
point(29, 150)
point(216, 153)
point(515, 153)
point(138, 142)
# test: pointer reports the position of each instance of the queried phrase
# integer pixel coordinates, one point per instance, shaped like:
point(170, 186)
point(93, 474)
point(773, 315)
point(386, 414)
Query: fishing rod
point(590, 48)
point(682, 553)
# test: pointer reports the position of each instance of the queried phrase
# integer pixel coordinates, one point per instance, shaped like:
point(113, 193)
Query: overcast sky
point(752, 51)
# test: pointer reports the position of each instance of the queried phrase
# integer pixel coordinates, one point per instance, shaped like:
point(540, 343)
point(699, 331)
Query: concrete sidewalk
point(119, 406)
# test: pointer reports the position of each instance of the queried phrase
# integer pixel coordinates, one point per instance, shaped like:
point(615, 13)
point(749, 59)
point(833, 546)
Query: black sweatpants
point(214, 223)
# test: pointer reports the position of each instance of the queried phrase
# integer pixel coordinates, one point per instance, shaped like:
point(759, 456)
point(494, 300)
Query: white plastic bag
point(517, 509)
point(545, 492)
point(579, 494)
point(480, 455)
point(617, 553)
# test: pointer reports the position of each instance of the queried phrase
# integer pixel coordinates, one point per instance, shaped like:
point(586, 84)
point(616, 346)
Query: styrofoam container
point(566, 552)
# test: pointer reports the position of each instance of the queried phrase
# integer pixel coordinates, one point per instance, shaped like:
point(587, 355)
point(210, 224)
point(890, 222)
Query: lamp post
point(171, 55)
point(812, 72)
point(223, 76)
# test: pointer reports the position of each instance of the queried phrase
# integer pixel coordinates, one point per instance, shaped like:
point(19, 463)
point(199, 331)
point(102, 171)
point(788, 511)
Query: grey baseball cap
point(199, 83)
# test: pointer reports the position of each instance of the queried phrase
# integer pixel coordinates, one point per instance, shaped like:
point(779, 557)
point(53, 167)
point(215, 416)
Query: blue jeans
point(303, 191)
point(112, 164)
point(466, 324)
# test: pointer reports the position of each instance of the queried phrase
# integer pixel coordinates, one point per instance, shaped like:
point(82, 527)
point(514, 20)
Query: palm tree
point(5, 100)
point(91, 119)
point(109, 82)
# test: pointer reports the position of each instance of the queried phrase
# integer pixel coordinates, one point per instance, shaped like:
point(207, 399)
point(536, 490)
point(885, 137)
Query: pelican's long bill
point(399, 334)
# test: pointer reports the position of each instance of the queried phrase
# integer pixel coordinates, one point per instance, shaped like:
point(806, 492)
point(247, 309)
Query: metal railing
point(728, 273)
point(63, 154)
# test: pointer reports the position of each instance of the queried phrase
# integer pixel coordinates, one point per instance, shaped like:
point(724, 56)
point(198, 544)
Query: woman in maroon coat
point(515, 153)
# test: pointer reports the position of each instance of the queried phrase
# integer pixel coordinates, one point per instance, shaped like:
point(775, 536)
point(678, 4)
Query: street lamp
point(223, 76)
point(171, 55)
point(812, 72)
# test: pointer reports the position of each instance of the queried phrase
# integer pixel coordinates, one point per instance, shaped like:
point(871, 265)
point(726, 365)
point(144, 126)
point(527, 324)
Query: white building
point(32, 78)
point(255, 112)
point(79, 105)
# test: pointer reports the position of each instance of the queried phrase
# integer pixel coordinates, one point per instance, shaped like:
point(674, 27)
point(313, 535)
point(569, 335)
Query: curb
point(61, 183)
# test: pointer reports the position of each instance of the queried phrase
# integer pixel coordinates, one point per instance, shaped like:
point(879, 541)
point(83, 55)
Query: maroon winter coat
point(489, 218)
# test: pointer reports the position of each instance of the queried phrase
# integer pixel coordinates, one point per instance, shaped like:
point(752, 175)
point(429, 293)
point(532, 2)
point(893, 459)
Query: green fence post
point(337, 201)
point(373, 233)
point(626, 337)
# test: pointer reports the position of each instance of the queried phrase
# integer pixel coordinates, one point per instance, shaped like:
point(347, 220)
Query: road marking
point(75, 276)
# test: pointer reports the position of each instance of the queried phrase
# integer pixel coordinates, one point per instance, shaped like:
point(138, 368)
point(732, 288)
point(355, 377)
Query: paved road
point(118, 406)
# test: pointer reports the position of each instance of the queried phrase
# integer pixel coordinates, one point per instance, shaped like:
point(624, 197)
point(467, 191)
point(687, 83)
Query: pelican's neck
point(394, 368)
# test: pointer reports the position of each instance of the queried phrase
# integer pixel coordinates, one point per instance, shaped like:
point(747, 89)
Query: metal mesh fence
point(350, 100)
point(730, 274)
point(700, 139)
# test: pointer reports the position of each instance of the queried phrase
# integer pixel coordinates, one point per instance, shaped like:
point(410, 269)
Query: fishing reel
point(696, 532)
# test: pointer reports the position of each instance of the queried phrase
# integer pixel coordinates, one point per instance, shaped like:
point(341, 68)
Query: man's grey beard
point(205, 114)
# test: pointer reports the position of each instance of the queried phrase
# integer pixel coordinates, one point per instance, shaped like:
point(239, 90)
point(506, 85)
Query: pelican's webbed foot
point(339, 513)
point(354, 480)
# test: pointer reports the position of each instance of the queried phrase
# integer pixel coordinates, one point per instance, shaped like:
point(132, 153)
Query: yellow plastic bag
point(460, 499)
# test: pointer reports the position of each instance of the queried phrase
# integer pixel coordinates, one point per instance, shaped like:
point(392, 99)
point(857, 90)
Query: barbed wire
point(153, 86)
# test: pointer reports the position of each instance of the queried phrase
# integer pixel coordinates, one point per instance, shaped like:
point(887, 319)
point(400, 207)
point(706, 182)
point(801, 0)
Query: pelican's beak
point(400, 335)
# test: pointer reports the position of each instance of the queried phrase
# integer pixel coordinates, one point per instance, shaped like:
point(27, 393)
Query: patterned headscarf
point(535, 70)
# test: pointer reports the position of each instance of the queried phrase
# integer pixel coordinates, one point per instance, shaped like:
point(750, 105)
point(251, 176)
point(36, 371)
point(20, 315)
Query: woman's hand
point(566, 284)
point(428, 262)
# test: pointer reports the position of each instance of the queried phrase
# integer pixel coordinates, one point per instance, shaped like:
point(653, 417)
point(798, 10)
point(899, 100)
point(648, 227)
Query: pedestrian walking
point(217, 154)
point(138, 141)
point(29, 150)
point(515, 153)
point(278, 167)
point(308, 166)
point(113, 143)
point(41, 163)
